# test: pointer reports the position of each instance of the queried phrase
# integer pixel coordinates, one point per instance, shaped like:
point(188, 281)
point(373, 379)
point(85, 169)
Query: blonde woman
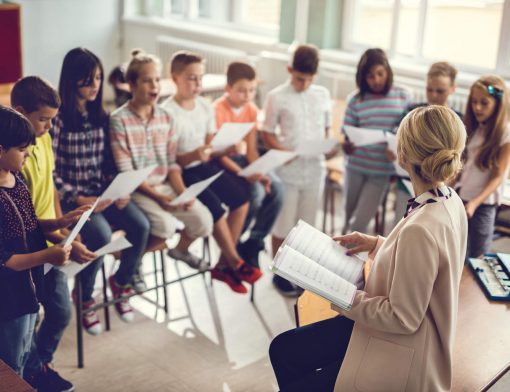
point(399, 333)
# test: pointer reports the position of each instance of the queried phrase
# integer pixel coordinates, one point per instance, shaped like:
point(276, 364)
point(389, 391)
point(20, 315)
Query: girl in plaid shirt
point(83, 168)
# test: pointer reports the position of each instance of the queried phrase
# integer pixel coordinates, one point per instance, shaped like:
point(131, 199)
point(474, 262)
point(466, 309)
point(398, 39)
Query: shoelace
point(91, 318)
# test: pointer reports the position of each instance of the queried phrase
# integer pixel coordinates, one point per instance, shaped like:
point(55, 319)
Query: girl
point(488, 152)
point(376, 105)
point(83, 167)
point(142, 135)
point(399, 333)
point(23, 249)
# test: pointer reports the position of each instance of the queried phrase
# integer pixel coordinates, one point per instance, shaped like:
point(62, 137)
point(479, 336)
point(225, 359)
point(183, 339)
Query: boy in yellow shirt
point(39, 102)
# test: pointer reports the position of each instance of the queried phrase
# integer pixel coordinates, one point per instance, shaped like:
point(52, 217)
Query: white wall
point(50, 28)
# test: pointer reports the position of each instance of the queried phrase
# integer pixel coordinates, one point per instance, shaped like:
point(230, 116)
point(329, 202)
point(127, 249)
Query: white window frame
point(503, 54)
point(227, 14)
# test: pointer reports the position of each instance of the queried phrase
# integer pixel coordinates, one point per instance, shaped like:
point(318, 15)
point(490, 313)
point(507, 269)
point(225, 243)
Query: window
point(255, 16)
point(468, 33)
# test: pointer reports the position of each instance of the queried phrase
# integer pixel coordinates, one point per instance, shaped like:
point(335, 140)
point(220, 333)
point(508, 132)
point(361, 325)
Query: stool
point(333, 185)
point(155, 246)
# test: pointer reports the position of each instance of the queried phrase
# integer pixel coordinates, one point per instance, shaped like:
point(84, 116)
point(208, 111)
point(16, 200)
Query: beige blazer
point(405, 319)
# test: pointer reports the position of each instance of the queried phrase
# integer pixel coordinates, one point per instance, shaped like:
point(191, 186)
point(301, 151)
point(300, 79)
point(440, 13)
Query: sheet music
point(267, 162)
point(364, 136)
point(391, 139)
point(83, 219)
point(319, 247)
point(72, 268)
point(230, 134)
point(306, 273)
point(126, 182)
point(316, 147)
point(194, 190)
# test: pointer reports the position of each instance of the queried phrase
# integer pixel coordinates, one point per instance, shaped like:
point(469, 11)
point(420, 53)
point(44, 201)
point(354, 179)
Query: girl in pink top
point(487, 156)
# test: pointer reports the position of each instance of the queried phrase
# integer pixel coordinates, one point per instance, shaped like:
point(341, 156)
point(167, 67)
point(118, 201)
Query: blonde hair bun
point(432, 139)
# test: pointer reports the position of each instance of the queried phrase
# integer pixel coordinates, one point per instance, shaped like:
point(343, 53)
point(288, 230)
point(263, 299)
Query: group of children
point(64, 173)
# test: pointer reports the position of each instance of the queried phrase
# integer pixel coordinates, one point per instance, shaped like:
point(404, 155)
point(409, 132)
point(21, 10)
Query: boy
point(39, 102)
point(195, 127)
point(266, 191)
point(302, 112)
point(440, 85)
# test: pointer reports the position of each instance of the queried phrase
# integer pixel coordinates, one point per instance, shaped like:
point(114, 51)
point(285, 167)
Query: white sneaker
point(189, 258)
point(91, 321)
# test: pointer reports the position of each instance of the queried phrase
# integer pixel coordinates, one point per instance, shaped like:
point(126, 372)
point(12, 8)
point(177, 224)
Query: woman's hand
point(357, 242)
point(58, 254)
point(471, 207)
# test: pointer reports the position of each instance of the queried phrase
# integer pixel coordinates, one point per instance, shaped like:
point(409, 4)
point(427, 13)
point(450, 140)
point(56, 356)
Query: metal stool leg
point(163, 275)
point(105, 298)
point(79, 327)
point(156, 280)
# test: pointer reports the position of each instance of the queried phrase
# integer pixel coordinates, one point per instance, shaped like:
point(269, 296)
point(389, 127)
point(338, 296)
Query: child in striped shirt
point(378, 105)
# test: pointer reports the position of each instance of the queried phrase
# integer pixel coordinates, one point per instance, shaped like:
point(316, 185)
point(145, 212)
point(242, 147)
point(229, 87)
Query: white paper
point(126, 182)
point(364, 136)
point(230, 134)
point(194, 190)
point(316, 147)
point(83, 219)
point(267, 162)
point(72, 268)
point(391, 139)
point(409, 186)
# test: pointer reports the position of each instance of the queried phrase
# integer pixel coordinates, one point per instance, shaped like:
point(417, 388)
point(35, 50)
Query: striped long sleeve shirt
point(375, 111)
point(137, 143)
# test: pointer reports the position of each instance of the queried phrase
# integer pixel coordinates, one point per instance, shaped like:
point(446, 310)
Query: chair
point(334, 180)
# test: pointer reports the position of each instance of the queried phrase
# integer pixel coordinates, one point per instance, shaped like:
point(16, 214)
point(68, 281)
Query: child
point(131, 128)
point(486, 166)
point(302, 111)
point(376, 105)
point(84, 167)
point(39, 102)
point(23, 249)
point(266, 190)
point(440, 85)
point(195, 127)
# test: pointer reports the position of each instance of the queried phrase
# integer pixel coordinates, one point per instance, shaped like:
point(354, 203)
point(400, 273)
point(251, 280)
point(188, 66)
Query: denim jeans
point(264, 207)
point(97, 233)
point(15, 341)
point(57, 314)
point(480, 231)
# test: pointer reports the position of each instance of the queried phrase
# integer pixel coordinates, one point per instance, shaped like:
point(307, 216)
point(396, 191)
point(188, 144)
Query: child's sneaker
point(138, 283)
point(248, 273)
point(123, 308)
point(189, 258)
point(227, 275)
point(48, 380)
point(90, 319)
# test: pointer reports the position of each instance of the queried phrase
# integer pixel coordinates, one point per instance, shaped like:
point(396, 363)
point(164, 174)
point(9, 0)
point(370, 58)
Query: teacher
point(399, 333)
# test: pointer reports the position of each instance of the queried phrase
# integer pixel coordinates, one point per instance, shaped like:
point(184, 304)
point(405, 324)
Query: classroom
point(254, 195)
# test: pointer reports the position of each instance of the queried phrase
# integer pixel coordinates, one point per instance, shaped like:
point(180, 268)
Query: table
point(11, 381)
point(482, 344)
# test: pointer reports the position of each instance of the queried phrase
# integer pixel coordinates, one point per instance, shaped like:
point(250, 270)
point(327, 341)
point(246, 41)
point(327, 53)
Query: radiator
point(217, 57)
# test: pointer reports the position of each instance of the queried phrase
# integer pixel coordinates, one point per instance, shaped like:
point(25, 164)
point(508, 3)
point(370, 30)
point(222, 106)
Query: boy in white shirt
point(302, 112)
point(195, 126)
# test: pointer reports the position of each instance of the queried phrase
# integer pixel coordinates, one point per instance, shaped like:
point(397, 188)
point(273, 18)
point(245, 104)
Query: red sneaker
point(228, 276)
point(90, 320)
point(248, 273)
point(123, 308)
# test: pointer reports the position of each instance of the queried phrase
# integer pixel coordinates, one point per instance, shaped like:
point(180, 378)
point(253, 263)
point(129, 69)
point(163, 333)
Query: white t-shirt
point(473, 179)
point(297, 117)
point(191, 126)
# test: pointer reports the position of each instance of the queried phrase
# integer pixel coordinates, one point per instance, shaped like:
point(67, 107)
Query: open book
point(313, 261)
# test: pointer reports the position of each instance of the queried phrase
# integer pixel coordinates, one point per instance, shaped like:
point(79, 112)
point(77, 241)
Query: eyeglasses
point(494, 91)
